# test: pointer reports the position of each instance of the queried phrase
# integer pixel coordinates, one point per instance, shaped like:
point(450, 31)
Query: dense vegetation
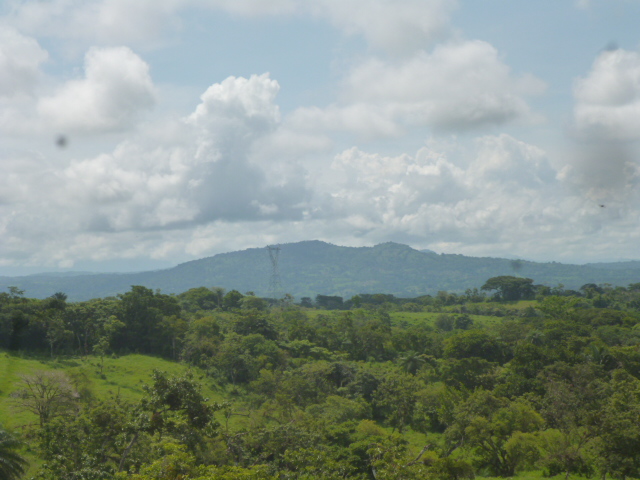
point(500, 380)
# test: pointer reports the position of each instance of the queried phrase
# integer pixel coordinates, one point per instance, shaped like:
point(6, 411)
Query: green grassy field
point(428, 318)
point(123, 376)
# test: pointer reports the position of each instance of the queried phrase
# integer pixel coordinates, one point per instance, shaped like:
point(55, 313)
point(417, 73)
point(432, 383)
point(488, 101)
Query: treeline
point(149, 322)
point(339, 394)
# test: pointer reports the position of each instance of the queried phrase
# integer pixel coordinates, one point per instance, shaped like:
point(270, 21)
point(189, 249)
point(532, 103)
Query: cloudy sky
point(141, 134)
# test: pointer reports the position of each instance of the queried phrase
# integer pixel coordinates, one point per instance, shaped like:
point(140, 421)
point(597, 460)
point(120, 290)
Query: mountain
point(313, 267)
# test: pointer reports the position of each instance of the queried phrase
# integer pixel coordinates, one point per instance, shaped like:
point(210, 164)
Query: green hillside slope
point(313, 267)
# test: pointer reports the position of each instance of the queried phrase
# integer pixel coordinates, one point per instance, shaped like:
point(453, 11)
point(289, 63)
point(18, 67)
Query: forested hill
point(313, 267)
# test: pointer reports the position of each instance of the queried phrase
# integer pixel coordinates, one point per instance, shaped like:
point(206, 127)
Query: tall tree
point(46, 394)
point(619, 428)
point(510, 288)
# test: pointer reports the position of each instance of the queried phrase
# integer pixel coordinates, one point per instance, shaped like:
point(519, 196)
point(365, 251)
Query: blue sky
point(195, 127)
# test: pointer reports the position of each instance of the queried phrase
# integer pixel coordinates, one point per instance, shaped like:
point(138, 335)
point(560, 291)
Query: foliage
point(12, 464)
point(444, 387)
point(510, 288)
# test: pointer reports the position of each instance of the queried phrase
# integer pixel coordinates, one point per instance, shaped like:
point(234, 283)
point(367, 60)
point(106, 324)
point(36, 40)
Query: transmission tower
point(275, 287)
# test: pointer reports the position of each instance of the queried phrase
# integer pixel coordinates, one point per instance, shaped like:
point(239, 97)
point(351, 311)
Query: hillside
point(313, 267)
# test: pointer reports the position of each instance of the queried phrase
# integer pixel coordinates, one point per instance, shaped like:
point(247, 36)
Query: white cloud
point(368, 121)
point(169, 178)
point(109, 22)
point(238, 102)
point(116, 90)
point(459, 86)
point(20, 60)
point(398, 27)
point(608, 98)
point(236, 173)
point(604, 165)
point(207, 174)
point(507, 184)
point(509, 164)
point(505, 200)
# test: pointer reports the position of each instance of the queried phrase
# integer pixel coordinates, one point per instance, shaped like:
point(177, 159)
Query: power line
point(275, 285)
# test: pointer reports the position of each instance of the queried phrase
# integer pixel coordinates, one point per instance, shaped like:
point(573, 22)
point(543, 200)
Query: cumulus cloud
point(458, 86)
point(20, 60)
point(508, 198)
point(428, 195)
point(236, 109)
point(171, 177)
point(114, 92)
point(608, 98)
point(604, 166)
point(509, 164)
point(206, 175)
point(235, 172)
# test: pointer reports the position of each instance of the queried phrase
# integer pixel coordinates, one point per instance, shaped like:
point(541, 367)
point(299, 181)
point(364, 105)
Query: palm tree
point(412, 362)
point(12, 465)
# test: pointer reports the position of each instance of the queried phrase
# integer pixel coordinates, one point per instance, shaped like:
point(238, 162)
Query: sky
point(136, 135)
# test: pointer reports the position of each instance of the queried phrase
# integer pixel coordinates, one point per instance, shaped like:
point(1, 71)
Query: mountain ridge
point(314, 267)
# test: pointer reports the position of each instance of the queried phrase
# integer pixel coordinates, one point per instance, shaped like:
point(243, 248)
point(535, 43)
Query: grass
point(428, 318)
point(123, 376)
point(11, 368)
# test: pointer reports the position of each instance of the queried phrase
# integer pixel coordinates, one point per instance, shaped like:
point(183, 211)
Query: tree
point(619, 429)
point(444, 322)
point(57, 331)
point(474, 343)
point(411, 362)
point(175, 406)
point(328, 302)
point(510, 288)
point(108, 328)
point(54, 320)
point(232, 300)
point(559, 308)
point(251, 302)
point(142, 311)
point(590, 290)
point(88, 445)
point(306, 302)
point(500, 432)
point(12, 464)
point(170, 398)
point(253, 322)
point(200, 298)
point(201, 340)
point(45, 394)
point(397, 395)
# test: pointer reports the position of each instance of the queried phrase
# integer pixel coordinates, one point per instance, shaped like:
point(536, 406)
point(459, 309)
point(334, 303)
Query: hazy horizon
point(131, 267)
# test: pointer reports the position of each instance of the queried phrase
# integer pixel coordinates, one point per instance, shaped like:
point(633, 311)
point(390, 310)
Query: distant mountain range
point(313, 267)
